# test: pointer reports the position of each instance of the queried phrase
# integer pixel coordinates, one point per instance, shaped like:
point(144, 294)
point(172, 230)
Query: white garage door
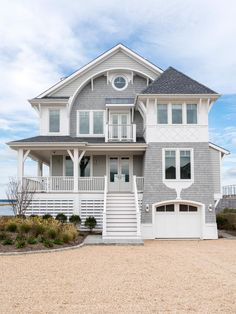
point(177, 221)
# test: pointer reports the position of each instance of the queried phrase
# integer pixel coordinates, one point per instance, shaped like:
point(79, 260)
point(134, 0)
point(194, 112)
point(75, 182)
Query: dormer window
point(120, 82)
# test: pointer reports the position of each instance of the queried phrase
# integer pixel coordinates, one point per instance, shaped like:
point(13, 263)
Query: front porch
point(106, 183)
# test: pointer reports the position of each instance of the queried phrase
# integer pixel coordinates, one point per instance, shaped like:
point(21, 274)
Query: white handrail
point(229, 190)
point(104, 227)
point(138, 214)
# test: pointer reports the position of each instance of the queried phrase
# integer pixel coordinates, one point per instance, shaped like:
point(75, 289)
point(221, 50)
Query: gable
point(116, 61)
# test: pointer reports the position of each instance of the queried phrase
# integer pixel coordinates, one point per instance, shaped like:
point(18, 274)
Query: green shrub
point(221, 221)
point(75, 219)
point(52, 233)
point(20, 238)
point(61, 217)
point(24, 228)
point(229, 210)
point(32, 240)
point(48, 243)
point(8, 241)
point(47, 216)
point(3, 236)
point(90, 223)
point(33, 216)
point(58, 241)
point(11, 227)
point(66, 237)
point(21, 216)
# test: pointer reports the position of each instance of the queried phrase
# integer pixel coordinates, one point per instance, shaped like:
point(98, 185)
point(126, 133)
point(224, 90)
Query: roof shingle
point(172, 81)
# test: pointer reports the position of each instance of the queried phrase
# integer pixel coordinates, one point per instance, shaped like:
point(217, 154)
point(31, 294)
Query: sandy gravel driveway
point(159, 277)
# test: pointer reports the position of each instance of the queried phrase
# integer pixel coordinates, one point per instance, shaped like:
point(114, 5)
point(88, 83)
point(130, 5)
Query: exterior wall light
point(210, 207)
point(147, 208)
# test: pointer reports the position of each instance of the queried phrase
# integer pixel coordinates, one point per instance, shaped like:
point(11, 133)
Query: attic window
point(120, 82)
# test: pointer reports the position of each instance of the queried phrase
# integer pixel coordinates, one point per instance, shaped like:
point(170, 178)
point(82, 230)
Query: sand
point(159, 277)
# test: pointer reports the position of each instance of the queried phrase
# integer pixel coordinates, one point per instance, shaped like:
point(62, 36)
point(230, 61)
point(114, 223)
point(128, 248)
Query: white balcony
point(120, 132)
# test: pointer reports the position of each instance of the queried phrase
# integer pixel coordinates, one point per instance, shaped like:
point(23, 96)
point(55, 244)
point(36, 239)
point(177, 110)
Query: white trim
point(113, 82)
point(99, 60)
point(220, 149)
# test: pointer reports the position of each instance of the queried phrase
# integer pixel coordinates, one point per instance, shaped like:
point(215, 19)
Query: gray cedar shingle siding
point(95, 99)
point(155, 190)
point(174, 82)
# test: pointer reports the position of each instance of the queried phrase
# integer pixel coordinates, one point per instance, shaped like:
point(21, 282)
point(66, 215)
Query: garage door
point(177, 221)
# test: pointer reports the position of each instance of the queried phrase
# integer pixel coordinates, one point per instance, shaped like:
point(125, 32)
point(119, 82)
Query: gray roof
point(172, 81)
point(68, 139)
point(119, 100)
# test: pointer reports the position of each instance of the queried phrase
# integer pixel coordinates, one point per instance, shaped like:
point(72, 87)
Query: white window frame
point(177, 164)
point(184, 113)
point(91, 132)
point(48, 120)
point(91, 166)
point(126, 82)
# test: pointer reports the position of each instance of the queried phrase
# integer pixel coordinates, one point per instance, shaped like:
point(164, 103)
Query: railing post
point(76, 169)
point(138, 214)
point(106, 132)
point(134, 132)
point(104, 223)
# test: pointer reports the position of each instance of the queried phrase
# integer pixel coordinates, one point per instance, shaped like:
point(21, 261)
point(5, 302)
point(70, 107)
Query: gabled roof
point(172, 81)
point(105, 55)
point(219, 148)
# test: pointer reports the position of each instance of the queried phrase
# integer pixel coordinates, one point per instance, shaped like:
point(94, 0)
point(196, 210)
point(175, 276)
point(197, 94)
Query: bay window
point(178, 164)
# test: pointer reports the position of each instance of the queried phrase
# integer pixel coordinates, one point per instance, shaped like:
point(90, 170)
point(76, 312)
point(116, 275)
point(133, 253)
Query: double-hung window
point(162, 113)
point(191, 113)
point(178, 164)
point(177, 114)
point(90, 122)
point(54, 120)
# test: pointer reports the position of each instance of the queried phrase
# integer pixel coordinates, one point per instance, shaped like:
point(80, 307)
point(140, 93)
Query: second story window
point(54, 120)
point(191, 113)
point(90, 122)
point(162, 114)
point(177, 114)
point(178, 164)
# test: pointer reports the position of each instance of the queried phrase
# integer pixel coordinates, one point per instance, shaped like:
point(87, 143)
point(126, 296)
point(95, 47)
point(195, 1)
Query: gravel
point(159, 277)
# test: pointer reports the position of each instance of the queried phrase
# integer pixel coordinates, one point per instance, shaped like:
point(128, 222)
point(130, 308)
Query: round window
point(120, 82)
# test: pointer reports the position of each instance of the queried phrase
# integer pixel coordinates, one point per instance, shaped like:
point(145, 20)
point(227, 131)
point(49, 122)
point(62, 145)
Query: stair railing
point(138, 214)
point(104, 222)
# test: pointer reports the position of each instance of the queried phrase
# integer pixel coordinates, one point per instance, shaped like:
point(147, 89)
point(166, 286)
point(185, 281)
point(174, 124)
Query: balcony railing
point(229, 191)
point(63, 184)
point(120, 132)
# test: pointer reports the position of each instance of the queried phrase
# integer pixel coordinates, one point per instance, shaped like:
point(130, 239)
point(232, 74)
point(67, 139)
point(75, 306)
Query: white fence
point(63, 184)
point(229, 190)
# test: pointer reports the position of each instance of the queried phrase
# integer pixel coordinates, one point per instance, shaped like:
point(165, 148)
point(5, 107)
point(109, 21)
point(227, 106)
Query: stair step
point(116, 211)
point(120, 216)
point(122, 234)
point(119, 219)
point(122, 224)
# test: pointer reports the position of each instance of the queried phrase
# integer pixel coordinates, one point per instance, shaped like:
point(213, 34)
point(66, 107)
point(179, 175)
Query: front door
point(119, 174)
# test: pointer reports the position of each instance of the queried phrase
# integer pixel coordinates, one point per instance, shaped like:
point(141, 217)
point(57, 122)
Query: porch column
point(76, 169)
point(20, 166)
point(40, 169)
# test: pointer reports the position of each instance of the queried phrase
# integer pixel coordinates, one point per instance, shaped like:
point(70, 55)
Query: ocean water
point(5, 210)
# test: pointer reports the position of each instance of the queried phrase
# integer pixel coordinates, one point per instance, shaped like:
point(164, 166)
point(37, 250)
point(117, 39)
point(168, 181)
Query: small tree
point(19, 195)
point(75, 219)
point(90, 223)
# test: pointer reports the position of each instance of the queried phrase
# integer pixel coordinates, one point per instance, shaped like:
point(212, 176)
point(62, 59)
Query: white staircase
point(121, 220)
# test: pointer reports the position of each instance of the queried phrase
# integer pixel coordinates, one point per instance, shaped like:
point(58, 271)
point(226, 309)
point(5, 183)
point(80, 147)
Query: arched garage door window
point(177, 207)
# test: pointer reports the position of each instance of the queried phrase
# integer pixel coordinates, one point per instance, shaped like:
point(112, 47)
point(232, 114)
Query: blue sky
point(42, 41)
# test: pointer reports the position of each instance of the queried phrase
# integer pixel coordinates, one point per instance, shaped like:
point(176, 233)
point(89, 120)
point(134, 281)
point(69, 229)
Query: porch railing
point(63, 184)
point(120, 132)
point(229, 191)
point(138, 213)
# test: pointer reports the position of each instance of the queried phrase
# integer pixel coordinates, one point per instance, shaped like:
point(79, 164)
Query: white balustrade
point(229, 190)
point(63, 184)
point(140, 183)
point(120, 132)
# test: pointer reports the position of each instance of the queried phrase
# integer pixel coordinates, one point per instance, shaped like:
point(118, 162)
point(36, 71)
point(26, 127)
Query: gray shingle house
point(128, 143)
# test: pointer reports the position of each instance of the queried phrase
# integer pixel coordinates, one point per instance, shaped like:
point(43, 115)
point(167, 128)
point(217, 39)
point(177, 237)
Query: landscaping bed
point(20, 234)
